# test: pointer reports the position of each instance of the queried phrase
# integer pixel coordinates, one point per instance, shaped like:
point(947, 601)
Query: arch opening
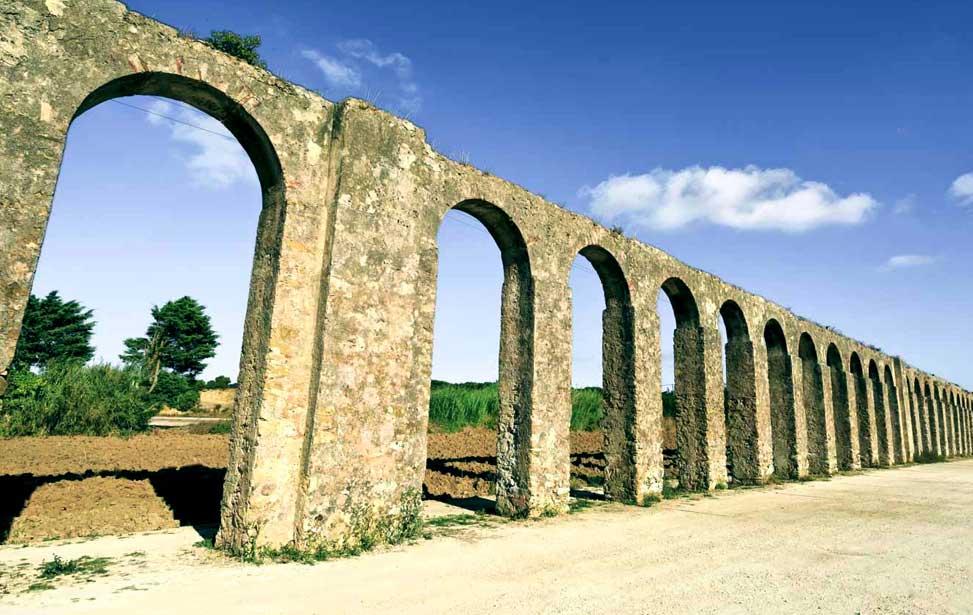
point(814, 414)
point(781, 388)
point(684, 413)
point(617, 359)
point(157, 230)
point(466, 390)
point(840, 407)
point(740, 397)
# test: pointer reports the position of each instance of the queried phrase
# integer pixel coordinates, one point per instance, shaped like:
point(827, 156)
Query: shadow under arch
point(895, 417)
point(881, 420)
point(812, 388)
point(840, 408)
point(689, 371)
point(618, 376)
point(740, 398)
point(263, 277)
point(781, 389)
point(515, 381)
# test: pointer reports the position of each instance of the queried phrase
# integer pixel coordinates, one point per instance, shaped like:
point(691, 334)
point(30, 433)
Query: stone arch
point(515, 379)
point(618, 376)
point(839, 403)
point(781, 388)
point(895, 416)
point(241, 489)
point(878, 400)
point(740, 397)
point(813, 396)
point(865, 450)
point(691, 458)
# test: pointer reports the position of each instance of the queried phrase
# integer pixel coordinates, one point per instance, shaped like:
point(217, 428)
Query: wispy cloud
point(747, 198)
point(904, 261)
point(962, 190)
point(215, 159)
point(345, 70)
point(335, 71)
point(904, 205)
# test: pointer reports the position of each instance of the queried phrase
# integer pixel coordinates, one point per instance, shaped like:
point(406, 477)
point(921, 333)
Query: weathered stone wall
point(330, 430)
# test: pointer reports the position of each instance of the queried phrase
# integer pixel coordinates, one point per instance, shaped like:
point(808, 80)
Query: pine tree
point(54, 329)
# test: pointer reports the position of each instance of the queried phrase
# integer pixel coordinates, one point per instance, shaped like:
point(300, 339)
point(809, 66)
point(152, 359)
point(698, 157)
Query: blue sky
point(816, 155)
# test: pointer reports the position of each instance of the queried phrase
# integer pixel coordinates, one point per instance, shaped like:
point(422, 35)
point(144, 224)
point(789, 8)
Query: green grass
point(453, 407)
point(83, 565)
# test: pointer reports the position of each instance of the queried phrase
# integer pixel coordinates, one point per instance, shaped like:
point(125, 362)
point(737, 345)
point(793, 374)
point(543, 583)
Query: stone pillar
point(618, 358)
point(935, 442)
point(874, 454)
point(800, 418)
point(781, 388)
point(828, 415)
point(816, 439)
point(698, 458)
point(851, 390)
point(715, 408)
point(649, 469)
point(30, 157)
point(742, 431)
point(906, 414)
point(896, 421)
point(950, 424)
point(765, 435)
point(943, 427)
point(883, 423)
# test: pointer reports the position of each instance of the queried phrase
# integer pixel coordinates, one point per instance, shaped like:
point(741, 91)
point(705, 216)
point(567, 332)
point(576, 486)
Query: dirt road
point(891, 541)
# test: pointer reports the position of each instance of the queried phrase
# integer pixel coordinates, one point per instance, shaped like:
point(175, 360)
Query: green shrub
point(176, 391)
point(71, 398)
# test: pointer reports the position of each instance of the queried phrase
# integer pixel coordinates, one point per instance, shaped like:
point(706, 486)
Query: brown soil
point(65, 486)
point(97, 505)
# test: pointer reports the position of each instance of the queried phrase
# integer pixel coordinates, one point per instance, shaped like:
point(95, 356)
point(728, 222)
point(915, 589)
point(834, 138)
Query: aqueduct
point(330, 429)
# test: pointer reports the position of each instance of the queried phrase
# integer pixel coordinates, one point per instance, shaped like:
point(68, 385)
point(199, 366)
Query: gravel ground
point(887, 541)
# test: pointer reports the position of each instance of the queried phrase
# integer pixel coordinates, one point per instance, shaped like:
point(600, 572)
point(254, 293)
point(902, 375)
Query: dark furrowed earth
point(72, 486)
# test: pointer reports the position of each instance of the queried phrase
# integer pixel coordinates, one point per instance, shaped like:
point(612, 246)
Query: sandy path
point(893, 541)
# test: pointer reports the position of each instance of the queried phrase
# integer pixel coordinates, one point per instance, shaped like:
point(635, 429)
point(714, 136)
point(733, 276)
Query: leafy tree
point(180, 339)
point(243, 46)
point(54, 329)
point(220, 382)
point(175, 391)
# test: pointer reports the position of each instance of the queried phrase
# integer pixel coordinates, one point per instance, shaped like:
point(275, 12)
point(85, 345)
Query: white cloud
point(345, 71)
point(748, 198)
point(902, 261)
point(962, 189)
point(335, 71)
point(216, 159)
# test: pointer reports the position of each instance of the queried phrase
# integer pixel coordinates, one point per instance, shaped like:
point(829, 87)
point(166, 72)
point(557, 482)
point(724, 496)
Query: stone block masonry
point(329, 438)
